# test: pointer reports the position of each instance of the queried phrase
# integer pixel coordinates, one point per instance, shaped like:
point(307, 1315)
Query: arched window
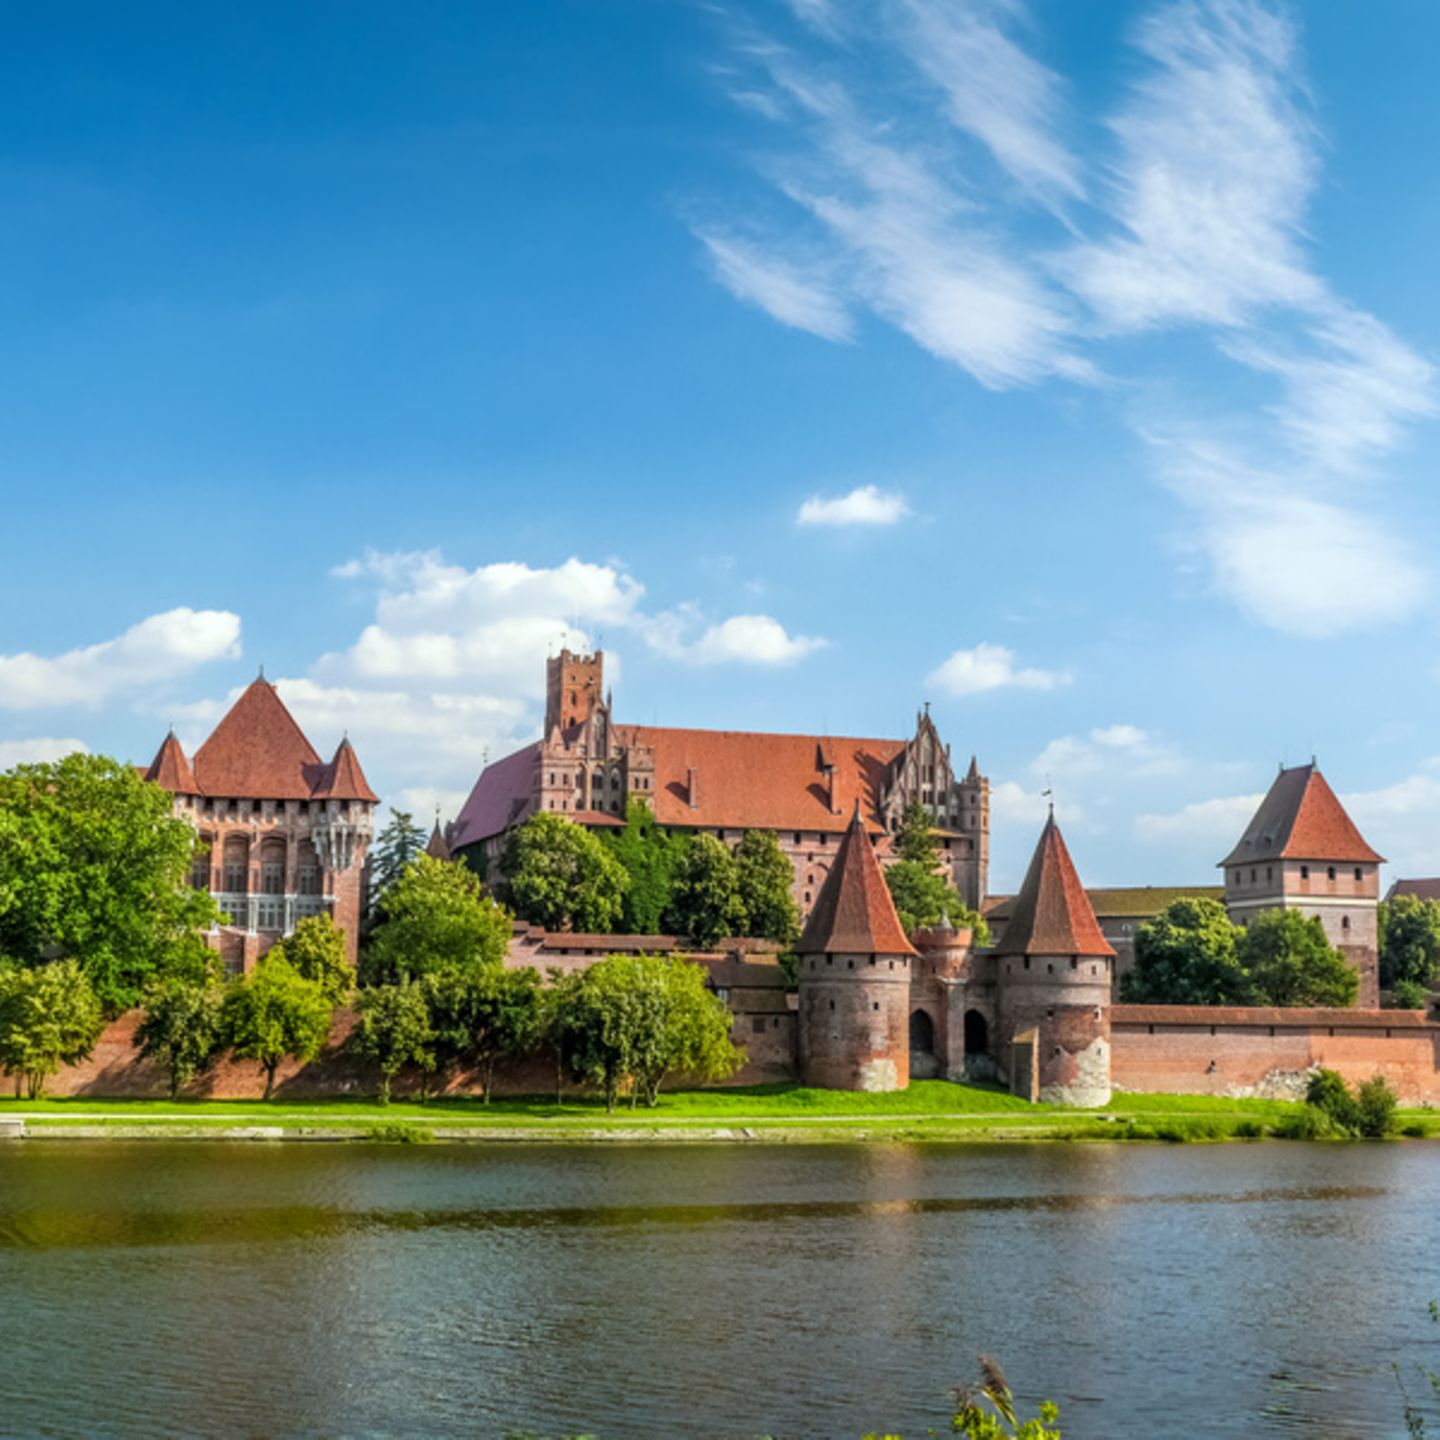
point(922, 1033)
point(977, 1034)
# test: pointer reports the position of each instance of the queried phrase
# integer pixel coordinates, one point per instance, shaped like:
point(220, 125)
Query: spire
point(854, 913)
point(170, 770)
point(344, 779)
point(974, 771)
point(1052, 914)
point(438, 848)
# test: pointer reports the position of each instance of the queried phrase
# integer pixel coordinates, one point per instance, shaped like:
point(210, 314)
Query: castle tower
point(1053, 977)
point(854, 977)
point(573, 688)
point(1301, 851)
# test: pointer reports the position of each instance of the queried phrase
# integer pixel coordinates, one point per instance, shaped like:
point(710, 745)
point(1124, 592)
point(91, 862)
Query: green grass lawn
point(933, 1109)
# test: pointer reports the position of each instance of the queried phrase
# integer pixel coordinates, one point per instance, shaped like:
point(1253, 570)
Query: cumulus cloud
point(1025, 807)
point(38, 751)
point(1127, 748)
point(154, 650)
point(991, 667)
point(864, 505)
point(1216, 823)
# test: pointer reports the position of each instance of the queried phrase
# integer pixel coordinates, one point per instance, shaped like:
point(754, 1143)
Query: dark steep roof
point(1301, 819)
point(1052, 913)
point(854, 913)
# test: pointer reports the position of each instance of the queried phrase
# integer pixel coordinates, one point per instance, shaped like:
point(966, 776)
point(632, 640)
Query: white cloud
point(1216, 823)
point(864, 505)
point(1118, 749)
point(154, 650)
point(1216, 164)
point(1024, 807)
point(804, 302)
point(991, 667)
point(38, 751)
point(1198, 223)
point(994, 90)
point(1292, 560)
point(748, 639)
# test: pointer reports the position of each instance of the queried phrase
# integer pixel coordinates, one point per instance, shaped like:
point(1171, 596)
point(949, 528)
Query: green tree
point(49, 1017)
point(765, 880)
point(95, 867)
point(395, 847)
point(1290, 962)
point(641, 1019)
point(1375, 1106)
point(316, 948)
point(1409, 948)
point(435, 917)
point(923, 897)
point(686, 1027)
point(559, 875)
point(275, 1014)
point(705, 902)
point(394, 1031)
point(452, 1003)
point(1187, 955)
point(915, 838)
point(181, 1028)
point(648, 855)
point(507, 1019)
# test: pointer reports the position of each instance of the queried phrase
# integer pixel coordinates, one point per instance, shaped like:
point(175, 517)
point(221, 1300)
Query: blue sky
point(1068, 366)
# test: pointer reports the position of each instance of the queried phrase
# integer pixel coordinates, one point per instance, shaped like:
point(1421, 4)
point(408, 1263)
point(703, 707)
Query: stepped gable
point(170, 770)
point(344, 779)
point(854, 914)
point(1302, 819)
point(258, 752)
point(1052, 913)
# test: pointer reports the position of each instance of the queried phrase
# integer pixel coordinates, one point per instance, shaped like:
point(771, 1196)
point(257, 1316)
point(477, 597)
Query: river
point(154, 1288)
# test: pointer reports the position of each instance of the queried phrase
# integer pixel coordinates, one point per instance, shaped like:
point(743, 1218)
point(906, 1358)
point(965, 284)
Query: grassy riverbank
point(928, 1110)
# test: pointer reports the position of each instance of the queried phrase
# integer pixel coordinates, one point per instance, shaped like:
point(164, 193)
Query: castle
point(285, 833)
point(799, 788)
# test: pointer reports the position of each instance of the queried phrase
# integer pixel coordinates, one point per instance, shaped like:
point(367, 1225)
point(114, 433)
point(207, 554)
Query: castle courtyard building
point(285, 832)
point(800, 788)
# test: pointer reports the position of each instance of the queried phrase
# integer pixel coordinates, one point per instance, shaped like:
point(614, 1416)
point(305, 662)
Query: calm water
point(160, 1289)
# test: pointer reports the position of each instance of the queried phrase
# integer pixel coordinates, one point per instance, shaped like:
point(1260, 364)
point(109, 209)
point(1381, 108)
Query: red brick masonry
point(1198, 1050)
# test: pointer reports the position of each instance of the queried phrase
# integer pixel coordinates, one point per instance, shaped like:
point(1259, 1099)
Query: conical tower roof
point(1301, 818)
point(257, 751)
point(439, 847)
point(170, 770)
point(854, 913)
point(1052, 914)
point(344, 779)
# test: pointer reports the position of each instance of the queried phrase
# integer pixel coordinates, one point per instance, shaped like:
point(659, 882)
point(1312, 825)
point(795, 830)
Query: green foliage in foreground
point(316, 948)
point(1409, 948)
point(1369, 1113)
point(181, 1029)
point(49, 1016)
point(94, 867)
point(394, 1031)
point(275, 1014)
point(560, 875)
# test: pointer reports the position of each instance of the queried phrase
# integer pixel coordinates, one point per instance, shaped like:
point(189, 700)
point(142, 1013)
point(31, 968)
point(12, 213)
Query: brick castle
point(286, 833)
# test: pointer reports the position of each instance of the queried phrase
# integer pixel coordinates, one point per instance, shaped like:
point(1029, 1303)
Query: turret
point(1053, 971)
point(854, 977)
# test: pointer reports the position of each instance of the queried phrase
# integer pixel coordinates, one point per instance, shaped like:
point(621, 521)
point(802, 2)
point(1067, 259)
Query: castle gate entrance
point(923, 1064)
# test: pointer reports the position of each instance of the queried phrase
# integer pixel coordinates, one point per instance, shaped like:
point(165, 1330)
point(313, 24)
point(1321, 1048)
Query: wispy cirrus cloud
point(864, 505)
point(778, 287)
point(1191, 217)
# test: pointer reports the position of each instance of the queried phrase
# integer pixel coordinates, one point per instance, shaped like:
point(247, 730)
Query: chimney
point(692, 787)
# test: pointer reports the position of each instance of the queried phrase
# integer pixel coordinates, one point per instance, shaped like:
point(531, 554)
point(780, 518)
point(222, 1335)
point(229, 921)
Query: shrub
point(1248, 1130)
point(1415, 1131)
point(1306, 1123)
point(1375, 1105)
point(1328, 1092)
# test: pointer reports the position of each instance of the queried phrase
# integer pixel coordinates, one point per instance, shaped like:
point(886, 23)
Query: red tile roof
point(258, 751)
point(1052, 914)
point(743, 779)
point(1301, 819)
point(344, 779)
point(854, 913)
point(170, 770)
